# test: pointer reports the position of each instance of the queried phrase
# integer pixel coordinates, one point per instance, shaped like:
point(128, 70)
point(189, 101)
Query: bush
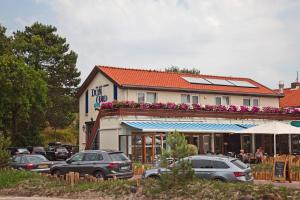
point(181, 171)
point(4, 153)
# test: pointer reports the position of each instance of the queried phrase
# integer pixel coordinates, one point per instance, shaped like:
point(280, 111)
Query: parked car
point(36, 163)
point(17, 150)
point(57, 153)
point(102, 164)
point(212, 167)
point(39, 150)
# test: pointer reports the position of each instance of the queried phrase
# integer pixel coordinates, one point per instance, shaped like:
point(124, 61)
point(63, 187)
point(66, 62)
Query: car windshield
point(118, 157)
point(239, 164)
point(36, 159)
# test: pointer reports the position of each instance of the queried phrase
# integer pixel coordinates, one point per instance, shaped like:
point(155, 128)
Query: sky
point(258, 39)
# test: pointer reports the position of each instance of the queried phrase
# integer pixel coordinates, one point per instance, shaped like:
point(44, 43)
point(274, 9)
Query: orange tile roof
point(160, 80)
point(291, 98)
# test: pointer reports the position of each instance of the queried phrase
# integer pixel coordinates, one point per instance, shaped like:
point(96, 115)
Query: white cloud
point(257, 39)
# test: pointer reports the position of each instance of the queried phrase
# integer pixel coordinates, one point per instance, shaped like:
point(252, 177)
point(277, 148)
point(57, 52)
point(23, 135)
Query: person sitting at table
point(258, 156)
point(243, 156)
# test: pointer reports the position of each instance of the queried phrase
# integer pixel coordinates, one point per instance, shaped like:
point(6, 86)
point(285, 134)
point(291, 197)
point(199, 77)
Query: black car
point(57, 153)
point(37, 163)
point(18, 150)
point(102, 164)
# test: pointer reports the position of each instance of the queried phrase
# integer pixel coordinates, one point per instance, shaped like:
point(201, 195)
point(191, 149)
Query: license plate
point(125, 168)
point(43, 166)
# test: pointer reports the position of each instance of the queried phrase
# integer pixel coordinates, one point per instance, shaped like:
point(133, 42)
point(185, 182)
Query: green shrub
point(181, 171)
point(4, 153)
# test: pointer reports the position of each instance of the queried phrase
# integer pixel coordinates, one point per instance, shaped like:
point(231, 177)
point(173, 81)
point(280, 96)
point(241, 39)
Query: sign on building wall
point(99, 97)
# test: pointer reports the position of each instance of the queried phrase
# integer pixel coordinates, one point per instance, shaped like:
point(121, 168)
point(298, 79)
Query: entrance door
point(246, 143)
point(232, 143)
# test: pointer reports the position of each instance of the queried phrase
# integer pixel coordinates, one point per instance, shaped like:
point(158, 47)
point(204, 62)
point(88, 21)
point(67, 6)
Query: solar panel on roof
point(196, 80)
point(219, 82)
point(242, 84)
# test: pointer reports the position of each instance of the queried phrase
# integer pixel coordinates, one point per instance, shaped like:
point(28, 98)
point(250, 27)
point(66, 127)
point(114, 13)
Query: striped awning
point(187, 127)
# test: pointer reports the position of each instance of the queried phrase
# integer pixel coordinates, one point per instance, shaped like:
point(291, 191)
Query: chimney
point(296, 84)
point(281, 87)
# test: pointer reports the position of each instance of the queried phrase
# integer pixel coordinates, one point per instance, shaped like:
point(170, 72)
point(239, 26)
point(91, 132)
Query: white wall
point(205, 99)
point(83, 117)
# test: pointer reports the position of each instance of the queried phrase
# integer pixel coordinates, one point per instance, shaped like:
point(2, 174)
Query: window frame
point(222, 100)
point(198, 99)
point(155, 99)
point(188, 98)
point(251, 101)
point(137, 96)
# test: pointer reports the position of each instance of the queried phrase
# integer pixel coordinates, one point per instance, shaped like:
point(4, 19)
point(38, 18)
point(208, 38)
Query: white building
point(140, 132)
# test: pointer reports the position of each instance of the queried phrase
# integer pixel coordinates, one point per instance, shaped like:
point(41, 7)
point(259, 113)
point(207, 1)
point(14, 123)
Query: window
point(223, 100)
point(92, 157)
point(195, 99)
point(151, 97)
point(246, 102)
point(202, 164)
point(220, 165)
point(239, 164)
point(255, 102)
point(36, 159)
point(251, 101)
point(115, 92)
point(17, 159)
point(77, 157)
point(218, 101)
point(87, 102)
point(118, 157)
point(141, 97)
point(185, 98)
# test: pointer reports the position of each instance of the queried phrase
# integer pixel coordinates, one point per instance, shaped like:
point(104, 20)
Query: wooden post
point(153, 146)
point(144, 148)
point(161, 142)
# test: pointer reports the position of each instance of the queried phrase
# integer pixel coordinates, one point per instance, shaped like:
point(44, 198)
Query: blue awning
point(188, 127)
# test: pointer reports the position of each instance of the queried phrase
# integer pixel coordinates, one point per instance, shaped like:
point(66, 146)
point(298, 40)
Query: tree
point(23, 95)
point(4, 153)
point(44, 50)
point(182, 170)
point(183, 70)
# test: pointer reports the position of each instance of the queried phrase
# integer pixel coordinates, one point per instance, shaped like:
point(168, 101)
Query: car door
point(220, 169)
point(91, 162)
point(203, 168)
point(73, 164)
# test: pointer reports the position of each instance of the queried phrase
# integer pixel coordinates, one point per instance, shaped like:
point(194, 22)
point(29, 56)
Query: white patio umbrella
point(275, 127)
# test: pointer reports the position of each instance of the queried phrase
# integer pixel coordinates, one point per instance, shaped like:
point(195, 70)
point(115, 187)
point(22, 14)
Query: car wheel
point(57, 172)
point(154, 177)
point(99, 175)
point(219, 179)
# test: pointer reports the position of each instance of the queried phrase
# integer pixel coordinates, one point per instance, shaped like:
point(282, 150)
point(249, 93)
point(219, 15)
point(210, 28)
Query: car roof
point(102, 151)
point(213, 157)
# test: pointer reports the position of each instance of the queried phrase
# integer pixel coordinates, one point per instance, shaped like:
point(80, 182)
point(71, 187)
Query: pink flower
point(244, 109)
point(183, 106)
point(196, 107)
point(255, 109)
point(232, 108)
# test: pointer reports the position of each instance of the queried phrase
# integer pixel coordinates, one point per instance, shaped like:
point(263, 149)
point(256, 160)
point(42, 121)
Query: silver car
point(212, 167)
